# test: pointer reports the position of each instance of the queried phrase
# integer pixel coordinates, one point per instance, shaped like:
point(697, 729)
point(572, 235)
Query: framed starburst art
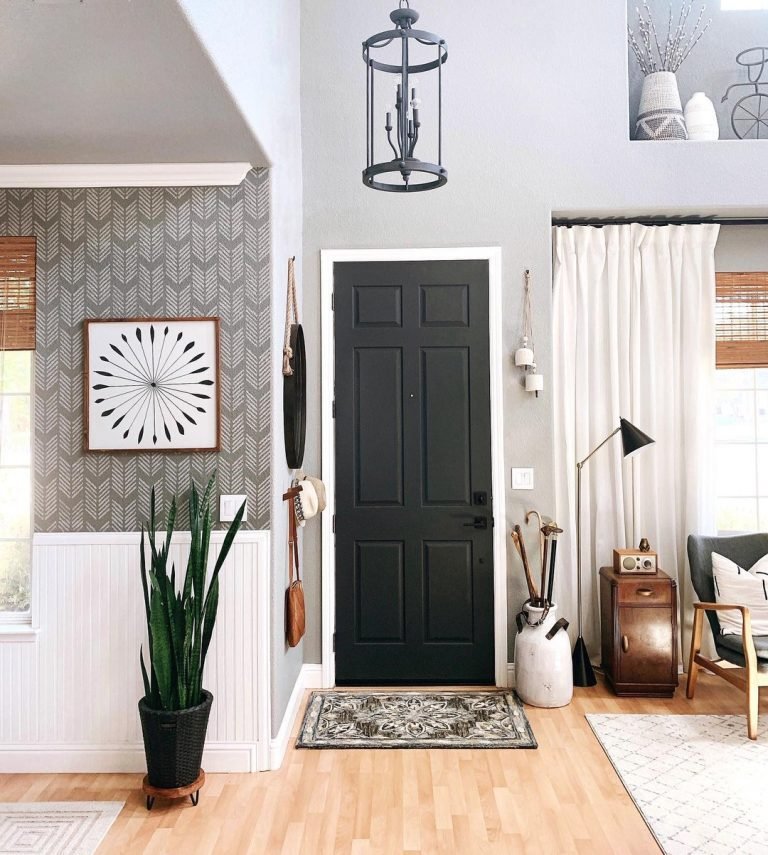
point(152, 384)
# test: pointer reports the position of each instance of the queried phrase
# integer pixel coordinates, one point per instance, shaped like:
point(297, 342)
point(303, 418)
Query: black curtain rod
point(661, 221)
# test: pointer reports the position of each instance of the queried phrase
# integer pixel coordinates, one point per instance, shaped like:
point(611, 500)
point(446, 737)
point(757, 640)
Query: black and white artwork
point(152, 384)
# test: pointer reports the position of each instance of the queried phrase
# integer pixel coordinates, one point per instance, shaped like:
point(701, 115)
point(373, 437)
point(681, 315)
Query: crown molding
point(123, 174)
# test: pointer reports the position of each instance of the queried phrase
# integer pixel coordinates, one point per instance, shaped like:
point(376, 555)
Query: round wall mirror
point(295, 401)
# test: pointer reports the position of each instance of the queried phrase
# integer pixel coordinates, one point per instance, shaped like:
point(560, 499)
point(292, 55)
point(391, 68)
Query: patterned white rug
point(698, 781)
point(55, 828)
point(484, 719)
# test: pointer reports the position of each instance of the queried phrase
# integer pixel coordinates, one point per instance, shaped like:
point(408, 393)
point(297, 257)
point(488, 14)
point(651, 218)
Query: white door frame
point(498, 481)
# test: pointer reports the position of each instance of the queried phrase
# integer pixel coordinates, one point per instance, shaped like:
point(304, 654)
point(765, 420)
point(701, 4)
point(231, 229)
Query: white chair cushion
point(734, 584)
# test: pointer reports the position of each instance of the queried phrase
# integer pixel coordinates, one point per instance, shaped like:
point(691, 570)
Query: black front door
point(414, 553)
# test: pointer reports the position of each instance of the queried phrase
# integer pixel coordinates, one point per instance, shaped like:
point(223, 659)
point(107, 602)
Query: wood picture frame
point(168, 398)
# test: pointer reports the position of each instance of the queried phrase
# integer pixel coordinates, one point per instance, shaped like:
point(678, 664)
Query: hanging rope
point(527, 312)
point(291, 310)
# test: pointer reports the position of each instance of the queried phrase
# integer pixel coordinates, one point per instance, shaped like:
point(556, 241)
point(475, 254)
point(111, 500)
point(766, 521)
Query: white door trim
point(493, 255)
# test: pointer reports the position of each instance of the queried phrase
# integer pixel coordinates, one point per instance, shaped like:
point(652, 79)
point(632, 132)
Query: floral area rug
point(338, 719)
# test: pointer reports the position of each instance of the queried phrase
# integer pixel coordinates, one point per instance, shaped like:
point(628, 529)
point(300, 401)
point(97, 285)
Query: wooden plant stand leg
point(192, 790)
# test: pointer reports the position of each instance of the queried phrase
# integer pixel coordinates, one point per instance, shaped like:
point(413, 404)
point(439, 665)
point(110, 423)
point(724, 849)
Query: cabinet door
point(645, 645)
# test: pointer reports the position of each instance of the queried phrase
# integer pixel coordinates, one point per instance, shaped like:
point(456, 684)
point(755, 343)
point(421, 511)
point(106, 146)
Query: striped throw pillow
point(734, 584)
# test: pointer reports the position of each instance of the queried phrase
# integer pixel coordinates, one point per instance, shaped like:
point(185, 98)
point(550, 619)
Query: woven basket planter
point(661, 113)
point(174, 742)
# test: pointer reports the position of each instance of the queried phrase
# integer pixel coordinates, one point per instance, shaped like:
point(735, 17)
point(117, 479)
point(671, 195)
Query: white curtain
point(634, 336)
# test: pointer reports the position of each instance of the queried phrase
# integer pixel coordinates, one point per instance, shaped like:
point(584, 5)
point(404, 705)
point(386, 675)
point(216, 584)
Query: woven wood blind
point(742, 320)
point(17, 293)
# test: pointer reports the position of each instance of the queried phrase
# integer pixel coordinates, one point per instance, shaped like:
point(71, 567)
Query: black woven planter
point(174, 742)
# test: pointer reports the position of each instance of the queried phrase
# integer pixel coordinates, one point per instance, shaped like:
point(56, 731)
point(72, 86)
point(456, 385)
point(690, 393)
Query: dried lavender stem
point(653, 29)
point(688, 52)
point(669, 34)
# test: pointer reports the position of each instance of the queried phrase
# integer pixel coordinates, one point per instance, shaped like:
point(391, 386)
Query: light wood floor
point(562, 798)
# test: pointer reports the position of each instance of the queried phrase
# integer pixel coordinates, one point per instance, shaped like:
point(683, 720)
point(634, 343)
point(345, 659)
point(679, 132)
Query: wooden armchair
point(743, 659)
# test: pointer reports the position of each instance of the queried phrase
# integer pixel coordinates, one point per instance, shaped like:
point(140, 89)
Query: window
point(15, 479)
point(741, 408)
point(17, 342)
point(741, 447)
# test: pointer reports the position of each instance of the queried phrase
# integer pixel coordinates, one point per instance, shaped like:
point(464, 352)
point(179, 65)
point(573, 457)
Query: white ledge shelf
point(123, 175)
point(18, 633)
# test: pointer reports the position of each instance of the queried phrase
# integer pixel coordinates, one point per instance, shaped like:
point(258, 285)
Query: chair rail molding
point(123, 174)
point(70, 699)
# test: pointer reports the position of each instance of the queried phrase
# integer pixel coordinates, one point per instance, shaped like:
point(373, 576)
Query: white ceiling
point(112, 81)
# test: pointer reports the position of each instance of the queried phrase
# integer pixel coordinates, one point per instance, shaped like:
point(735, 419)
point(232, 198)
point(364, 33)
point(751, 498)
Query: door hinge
point(333, 301)
point(333, 523)
point(333, 409)
point(334, 642)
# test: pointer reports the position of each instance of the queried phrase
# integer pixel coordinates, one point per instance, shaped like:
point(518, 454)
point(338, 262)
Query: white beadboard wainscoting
point(68, 699)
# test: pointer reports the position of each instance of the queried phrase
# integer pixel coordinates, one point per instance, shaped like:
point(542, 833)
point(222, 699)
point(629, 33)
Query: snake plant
point(180, 622)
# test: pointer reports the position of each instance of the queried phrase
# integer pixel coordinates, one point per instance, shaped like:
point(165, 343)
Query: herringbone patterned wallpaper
point(110, 253)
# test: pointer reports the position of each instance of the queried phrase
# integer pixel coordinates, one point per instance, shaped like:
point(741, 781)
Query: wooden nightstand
point(638, 617)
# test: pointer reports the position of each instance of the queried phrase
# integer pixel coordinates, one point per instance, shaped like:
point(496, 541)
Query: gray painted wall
point(143, 252)
point(111, 81)
point(254, 46)
point(742, 248)
point(536, 117)
point(711, 67)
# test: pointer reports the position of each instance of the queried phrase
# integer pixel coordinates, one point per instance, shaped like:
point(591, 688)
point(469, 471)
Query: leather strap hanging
point(291, 316)
point(295, 612)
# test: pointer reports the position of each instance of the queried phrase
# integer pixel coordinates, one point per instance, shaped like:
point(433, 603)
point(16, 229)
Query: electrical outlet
point(229, 506)
point(522, 479)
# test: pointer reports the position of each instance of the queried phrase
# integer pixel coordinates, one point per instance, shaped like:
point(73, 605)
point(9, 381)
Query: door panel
point(379, 426)
point(445, 388)
point(380, 573)
point(448, 591)
point(414, 556)
point(379, 306)
point(444, 306)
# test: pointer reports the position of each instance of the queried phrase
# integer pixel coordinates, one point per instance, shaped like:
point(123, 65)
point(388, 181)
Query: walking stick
point(524, 558)
point(554, 531)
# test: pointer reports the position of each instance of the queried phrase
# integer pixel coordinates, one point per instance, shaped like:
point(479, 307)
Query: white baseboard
point(313, 676)
point(218, 757)
point(310, 677)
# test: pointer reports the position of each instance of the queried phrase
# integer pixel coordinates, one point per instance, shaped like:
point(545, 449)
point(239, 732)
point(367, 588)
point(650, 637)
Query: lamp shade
point(632, 438)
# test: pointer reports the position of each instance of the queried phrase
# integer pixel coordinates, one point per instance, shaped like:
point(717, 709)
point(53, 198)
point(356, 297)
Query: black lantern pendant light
point(413, 52)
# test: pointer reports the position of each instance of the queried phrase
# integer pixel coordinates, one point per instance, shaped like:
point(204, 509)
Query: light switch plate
point(522, 479)
point(228, 507)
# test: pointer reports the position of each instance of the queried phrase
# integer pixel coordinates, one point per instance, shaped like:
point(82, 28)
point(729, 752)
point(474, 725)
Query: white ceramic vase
point(661, 114)
point(701, 118)
point(543, 668)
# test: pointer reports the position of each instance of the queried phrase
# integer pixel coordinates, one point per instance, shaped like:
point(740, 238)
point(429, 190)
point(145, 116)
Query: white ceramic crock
point(543, 669)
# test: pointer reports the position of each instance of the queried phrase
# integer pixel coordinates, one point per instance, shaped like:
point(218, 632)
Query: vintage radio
point(633, 562)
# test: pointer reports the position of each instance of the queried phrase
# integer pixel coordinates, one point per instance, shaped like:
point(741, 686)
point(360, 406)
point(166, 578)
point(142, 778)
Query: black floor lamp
point(632, 440)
